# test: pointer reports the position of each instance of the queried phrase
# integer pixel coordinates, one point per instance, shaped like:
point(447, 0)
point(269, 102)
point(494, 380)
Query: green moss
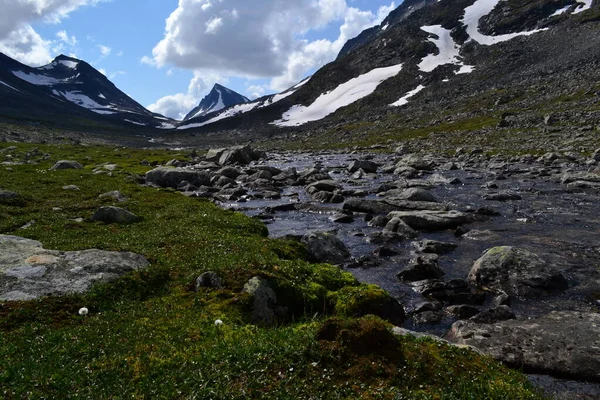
point(355, 301)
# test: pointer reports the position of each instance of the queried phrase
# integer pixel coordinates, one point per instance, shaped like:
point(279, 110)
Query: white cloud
point(257, 38)
point(255, 91)
point(19, 40)
point(64, 37)
point(213, 25)
point(26, 46)
point(176, 106)
point(104, 50)
point(118, 73)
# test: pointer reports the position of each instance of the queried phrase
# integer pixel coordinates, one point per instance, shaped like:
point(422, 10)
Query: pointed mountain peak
point(62, 57)
point(217, 99)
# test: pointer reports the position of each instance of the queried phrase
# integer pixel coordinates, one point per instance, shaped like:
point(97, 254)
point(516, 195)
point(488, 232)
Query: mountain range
point(428, 63)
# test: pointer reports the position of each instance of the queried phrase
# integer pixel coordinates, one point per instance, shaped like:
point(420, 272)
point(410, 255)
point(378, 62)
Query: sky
point(167, 54)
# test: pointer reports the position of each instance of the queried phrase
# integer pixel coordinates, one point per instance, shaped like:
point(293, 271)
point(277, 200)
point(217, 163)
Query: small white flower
point(218, 322)
point(83, 311)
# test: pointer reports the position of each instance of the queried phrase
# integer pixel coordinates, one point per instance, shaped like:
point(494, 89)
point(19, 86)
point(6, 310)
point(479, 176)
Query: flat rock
point(502, 196)
point(172, 177)
point(390, 204)
point(434, 246)
point(117, 215)
point(66, 164)
point(562, 343)
point(430, 220)
point(517, 272)
point(28, 271)
point(417, 194)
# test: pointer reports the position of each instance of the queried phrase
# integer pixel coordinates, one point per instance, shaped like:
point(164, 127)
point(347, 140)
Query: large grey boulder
point(430, 220)
point(28, 271)
point(66, 164)
point(325, 247)
point(517, 272)
point(209, 279)
point(115, 215)
point(214, 154)
point(10, 198)
point(327, 185)
point(265, 310)
point(239, 154)
point(423, 266)
point(563, 343)
point(365, 165)
point(172, 177)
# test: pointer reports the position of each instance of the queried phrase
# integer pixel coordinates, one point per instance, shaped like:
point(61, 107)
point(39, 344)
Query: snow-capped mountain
point(69, 82)
point(238, 109)
point(435, 61)
point(219, 98)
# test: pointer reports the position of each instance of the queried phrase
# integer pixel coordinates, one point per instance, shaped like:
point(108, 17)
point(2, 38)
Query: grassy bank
point(151, 335)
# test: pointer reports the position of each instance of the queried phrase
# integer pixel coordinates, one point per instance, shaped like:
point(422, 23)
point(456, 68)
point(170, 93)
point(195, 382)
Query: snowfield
point(584, 5)
point(230, 112)
point(449, 51)
point(345, 94)
point(404, 100)
point(37, 79)
point(477, 11)
point(69, 64)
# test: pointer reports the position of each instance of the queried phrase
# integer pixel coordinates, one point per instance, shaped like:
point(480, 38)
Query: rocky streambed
point(499, 253)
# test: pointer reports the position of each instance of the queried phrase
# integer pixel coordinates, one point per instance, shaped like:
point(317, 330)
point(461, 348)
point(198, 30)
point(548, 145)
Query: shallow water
point(558, 224)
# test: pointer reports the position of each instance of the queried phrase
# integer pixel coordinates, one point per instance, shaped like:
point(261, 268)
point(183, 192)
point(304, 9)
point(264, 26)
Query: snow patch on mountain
point(230, 112)
point(584, 5)
point(134, 122)
point(561, 11)
point(449, 51)
point(477, 11)
point(404, 100)
point(214, 107)
point(69, 64)
point(6, 84)
point(37, 79)
point(166, 125)
point(345, 94)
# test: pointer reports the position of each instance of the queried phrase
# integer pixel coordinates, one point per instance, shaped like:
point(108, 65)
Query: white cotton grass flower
point(218, 322)
point(83, 311)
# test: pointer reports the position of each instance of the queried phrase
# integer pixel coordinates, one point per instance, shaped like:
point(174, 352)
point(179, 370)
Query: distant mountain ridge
point(67, 81)
point(219, 98)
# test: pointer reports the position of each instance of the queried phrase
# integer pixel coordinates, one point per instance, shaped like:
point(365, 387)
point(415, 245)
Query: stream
point(560, 224)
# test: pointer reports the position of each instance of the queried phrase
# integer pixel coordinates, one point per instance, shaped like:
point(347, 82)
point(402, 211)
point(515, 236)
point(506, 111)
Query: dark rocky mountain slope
point(68, 88)
point(219, 98)
point(464, 65)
